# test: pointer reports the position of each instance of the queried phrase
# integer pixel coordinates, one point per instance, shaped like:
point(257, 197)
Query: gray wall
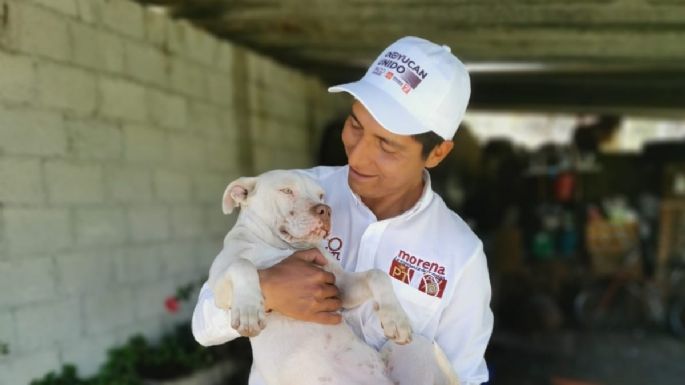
point(119, 130)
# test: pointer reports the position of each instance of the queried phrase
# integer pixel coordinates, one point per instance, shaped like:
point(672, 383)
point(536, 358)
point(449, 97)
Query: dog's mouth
point(313, 236)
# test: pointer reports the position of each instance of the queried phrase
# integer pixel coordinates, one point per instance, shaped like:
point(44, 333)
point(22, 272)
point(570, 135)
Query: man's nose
point(357, 153)
point(322, 211)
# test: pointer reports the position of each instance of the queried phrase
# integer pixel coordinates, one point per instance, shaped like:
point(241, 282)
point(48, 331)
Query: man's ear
point(236, 193)
point(439, 153)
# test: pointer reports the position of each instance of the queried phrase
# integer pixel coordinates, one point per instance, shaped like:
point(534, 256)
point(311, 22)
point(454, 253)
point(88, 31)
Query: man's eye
point(286, 191)
point(386, 147)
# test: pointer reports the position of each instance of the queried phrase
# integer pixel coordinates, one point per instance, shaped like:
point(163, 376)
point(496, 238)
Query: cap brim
point(383, 107)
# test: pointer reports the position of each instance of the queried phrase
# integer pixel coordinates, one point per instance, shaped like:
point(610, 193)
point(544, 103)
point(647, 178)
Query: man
point(385, 215)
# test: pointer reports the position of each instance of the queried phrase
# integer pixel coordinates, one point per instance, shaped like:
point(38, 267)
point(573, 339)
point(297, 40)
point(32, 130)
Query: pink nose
point(322, 211)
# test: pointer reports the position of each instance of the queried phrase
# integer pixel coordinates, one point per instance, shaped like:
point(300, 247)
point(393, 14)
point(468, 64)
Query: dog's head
point(289, 202)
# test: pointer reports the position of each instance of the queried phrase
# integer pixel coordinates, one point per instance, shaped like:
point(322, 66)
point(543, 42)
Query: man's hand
point(299, 288)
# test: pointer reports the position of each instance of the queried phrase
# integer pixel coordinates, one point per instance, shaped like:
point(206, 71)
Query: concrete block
point(122, 99)
point(209, 187)
point(150, 298)
point(179, 78)
point(32, 132)
point(65, 323)
point(86, 41)
point(88, 271)
point(178, 32)
point(36, 230)
point(112, 49)
point(129, 184)
point(147, 64)
point(148, 327)
point(67, 7)
point(225, 58)
point(67, 88)
point(90, 11)
point(7, 332)
point(14, 276)
point(204, 118)
point(156, 27)
point(178, 256)
point(201, 46)
point(206, 249)
point(231, 124)
point(187, 151)
point(139, 263)
point(74, 183)
point(197, 80)
point(21, 181)
point(27, 367)
point(145, 145)
point(89, 352)
point(95, 139)
point(17, 78)
point(188, 78)
point(264, 159)
point(187, 221)
point(222, 155)
point(124, 17)
point(149, 223)
point(221, 89)
point(172, 187)
point(50, 40)
point(100, 226)
point(106, 312)
point(218, 223)
point(167, 110)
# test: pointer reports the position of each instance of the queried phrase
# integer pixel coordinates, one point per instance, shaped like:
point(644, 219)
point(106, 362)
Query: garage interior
point(585, 240)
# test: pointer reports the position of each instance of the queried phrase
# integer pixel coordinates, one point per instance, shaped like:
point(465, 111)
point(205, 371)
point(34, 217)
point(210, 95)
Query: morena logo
point(432, 280)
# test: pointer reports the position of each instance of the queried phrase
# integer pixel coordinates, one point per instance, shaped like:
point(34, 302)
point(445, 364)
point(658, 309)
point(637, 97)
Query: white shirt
point(439, 272)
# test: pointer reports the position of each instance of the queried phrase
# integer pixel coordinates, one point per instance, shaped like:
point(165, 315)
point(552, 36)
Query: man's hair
point(429, 140)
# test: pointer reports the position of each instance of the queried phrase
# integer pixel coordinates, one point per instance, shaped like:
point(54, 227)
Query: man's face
point(382, 164)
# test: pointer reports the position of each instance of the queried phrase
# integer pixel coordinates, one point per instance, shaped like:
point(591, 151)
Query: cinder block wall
point(119, 129)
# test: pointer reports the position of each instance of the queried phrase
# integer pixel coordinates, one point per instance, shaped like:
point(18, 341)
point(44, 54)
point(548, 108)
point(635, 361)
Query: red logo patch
point(432, 285)
point(388, 75)
point(401, 272)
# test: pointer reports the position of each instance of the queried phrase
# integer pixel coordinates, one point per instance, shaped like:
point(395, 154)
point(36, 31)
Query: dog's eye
point(287, 191)
point(321, 196)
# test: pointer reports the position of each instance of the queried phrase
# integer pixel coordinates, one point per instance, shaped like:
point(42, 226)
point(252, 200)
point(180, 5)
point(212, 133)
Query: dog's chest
point(305, 353)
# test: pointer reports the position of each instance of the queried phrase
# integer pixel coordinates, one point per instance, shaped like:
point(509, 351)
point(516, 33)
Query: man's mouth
point(359, 175)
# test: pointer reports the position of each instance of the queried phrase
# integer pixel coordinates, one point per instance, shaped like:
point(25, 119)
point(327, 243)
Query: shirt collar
point(420, 205)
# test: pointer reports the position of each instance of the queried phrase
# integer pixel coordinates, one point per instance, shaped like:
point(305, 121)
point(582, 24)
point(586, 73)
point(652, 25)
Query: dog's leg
point(357, 288)
point(246, 303)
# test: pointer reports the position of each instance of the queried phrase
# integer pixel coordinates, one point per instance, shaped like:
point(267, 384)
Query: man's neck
point(394, 204)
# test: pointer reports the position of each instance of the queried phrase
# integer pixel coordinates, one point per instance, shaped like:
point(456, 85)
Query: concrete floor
point(578, 358)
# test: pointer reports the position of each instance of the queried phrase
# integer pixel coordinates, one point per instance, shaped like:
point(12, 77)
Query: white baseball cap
point(414, 86)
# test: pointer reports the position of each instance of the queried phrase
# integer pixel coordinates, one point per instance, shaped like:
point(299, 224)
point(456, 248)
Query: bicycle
point(621, 297)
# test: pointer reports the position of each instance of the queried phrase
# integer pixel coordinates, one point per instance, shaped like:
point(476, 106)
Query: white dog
point(282, 211)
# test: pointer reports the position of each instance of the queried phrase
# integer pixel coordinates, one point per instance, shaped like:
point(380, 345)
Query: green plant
point(4, 348)
point(68, 376)
point(175, 355)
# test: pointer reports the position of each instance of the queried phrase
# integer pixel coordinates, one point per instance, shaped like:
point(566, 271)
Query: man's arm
point(296, 287)
point(466, 323)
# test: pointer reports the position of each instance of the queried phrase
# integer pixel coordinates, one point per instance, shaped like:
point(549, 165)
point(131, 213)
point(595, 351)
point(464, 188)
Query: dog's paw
point(248, 317)
point(395, 324)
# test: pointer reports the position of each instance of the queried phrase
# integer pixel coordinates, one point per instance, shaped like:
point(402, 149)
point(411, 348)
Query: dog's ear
point(236, 193)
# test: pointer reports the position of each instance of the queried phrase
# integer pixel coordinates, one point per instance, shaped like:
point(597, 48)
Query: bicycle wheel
point(624, 308)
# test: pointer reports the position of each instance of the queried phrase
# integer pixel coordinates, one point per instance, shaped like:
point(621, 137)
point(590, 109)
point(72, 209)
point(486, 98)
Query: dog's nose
point(321, 210)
